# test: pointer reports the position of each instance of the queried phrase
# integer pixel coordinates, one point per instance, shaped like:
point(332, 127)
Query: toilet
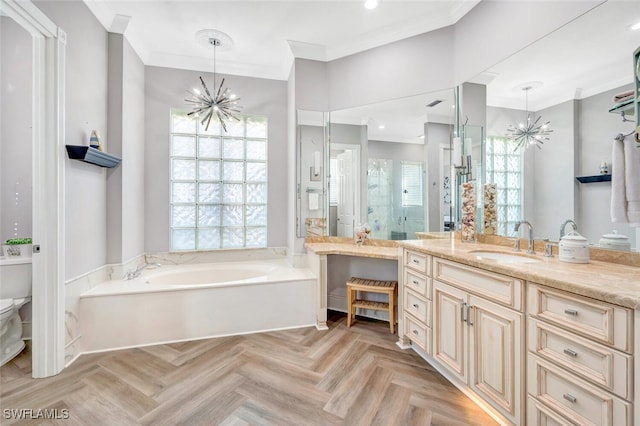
point(15, 292)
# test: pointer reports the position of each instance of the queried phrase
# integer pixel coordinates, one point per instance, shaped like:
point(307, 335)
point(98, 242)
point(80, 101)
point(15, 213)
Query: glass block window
point(412, 184)
point(218, 183)
point(504, 168)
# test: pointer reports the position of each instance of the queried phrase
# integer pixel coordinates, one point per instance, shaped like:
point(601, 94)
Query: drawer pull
point(462, 312)
point(416, 261)
point(571, 312)
point(570, 352)
point(469, 313)
point(570, 398)
point(415, 282)
point(415, 305)
point(415, 332)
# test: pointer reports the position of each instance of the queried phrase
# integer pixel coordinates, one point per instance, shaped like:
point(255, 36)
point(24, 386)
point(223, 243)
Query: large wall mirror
point(385, 164)
point(573, 75)
point(389, 167)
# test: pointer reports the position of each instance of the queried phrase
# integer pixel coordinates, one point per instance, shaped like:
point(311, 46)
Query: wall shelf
point(628, 108)
point(596, 178)
point(92, 155)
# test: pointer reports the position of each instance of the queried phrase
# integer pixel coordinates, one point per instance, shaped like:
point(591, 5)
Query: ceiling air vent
point(434, 103)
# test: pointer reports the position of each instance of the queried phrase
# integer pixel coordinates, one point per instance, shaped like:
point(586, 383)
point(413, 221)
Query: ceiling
point(590, 55)
point(267, 34)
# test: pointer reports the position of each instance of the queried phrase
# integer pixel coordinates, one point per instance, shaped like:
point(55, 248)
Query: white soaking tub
point(187, 302)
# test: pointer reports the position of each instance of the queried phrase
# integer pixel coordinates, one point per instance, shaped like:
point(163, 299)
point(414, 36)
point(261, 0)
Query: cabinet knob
point(571, 312)
point(570, 398)
point(570, 352)
point(415, 282)
point(415, 261)
point(415, 332)
point(415, 305)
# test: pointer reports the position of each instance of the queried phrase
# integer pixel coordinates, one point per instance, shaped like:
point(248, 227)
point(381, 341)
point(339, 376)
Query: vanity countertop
point(377, 252)
point(609, 282)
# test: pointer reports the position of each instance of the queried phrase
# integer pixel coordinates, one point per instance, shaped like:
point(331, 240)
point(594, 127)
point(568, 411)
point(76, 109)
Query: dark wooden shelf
point(93, 156)
point(596, 178)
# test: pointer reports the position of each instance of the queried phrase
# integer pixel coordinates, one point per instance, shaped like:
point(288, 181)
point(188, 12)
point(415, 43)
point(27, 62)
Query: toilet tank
point(15, 277)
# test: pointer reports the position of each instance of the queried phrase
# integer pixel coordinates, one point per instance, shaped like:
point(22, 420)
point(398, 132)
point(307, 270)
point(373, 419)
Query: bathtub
point(187, 302)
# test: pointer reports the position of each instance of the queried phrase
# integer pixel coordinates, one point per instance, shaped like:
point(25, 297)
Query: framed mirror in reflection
point(576, 72)
point(390, 167)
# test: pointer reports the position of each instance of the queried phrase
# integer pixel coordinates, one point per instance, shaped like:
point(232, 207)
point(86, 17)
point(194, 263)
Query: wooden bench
point(390, 288)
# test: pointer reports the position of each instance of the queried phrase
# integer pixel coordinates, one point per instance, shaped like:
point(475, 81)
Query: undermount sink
point(502, 257)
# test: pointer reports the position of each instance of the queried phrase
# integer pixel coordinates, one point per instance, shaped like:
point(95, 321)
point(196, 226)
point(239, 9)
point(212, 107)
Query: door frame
point(48, 174)
point(357, 177)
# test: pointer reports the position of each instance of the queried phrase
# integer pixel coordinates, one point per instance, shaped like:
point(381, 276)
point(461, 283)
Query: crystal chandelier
point(220, 102)
point(533, 132)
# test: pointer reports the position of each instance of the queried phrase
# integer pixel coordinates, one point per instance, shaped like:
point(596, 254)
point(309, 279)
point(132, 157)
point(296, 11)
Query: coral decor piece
point(490, 211)
point(361, 234)
point(468, 216)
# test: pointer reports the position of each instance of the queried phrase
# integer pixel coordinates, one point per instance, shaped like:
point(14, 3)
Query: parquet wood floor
point(355, 376)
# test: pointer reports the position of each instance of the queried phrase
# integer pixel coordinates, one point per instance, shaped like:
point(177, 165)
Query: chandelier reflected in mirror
point(532, 131)
point(219, 103)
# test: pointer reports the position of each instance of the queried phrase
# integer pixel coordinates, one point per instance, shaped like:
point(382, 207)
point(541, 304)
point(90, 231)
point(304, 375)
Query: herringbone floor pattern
point(354, 376)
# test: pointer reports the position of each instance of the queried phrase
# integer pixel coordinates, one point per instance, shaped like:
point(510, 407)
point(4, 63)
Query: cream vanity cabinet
point(476, 329)
point(477, 333)
point(579, 361)
point(416, 299)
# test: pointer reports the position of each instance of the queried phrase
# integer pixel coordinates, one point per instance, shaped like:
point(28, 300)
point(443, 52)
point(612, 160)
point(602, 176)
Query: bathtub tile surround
point(230, 255)
point(79, 285)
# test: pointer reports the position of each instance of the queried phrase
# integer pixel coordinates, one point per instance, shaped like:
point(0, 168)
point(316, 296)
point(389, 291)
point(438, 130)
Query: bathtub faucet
point(135, 274)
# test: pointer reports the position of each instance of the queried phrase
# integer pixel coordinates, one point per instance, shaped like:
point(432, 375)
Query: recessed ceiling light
point(381, 126)
point(370, 4)
point(635, 26)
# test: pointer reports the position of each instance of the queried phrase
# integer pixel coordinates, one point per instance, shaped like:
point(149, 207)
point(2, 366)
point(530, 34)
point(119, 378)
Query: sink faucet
point(530, 249)
point(564, 225)
point(138, 271)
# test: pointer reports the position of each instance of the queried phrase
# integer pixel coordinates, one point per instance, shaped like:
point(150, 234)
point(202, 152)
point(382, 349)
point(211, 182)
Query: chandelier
point(220, 102)
point(532, 132)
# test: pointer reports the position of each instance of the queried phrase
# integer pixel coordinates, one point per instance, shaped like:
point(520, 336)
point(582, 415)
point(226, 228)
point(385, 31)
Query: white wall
point(125, 184)
point(436, 135)
point(15, 130)
point(85, 110)
point(166, 88)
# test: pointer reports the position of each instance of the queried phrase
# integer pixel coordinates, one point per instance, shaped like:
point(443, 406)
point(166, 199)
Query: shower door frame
point(48, 159)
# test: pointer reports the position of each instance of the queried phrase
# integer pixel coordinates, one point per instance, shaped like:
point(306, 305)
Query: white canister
point(573, 248)
point(615, 241)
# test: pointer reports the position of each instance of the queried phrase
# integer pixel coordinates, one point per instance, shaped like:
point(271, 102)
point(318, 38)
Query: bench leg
point(392, 310)
point(349, 306)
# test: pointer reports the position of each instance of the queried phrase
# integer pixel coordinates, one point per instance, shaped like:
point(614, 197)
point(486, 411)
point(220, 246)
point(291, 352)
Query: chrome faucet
point(138, 271)
point(564, 225)
point(530, 249)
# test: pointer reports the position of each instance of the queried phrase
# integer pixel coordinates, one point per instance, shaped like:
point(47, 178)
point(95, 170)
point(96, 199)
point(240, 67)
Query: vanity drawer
point(418, 306)
point(418, 261)
point(601, 321)
point(597, 363)
point(418, 333)
point(495, 287)
point(418, 283)
point(539, 414)
point(575, 398)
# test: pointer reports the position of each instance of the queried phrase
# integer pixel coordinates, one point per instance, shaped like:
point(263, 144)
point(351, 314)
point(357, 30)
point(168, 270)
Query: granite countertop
point(373, 251)
point(609, 282)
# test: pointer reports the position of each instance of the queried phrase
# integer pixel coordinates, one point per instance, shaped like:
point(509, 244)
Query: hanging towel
point(625, 183)
point(314, 201)
point(632, 181)
point(618, 191)
point(622, 95)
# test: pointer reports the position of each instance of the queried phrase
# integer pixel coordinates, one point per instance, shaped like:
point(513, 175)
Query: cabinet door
point(495, 356)
point(450, 328)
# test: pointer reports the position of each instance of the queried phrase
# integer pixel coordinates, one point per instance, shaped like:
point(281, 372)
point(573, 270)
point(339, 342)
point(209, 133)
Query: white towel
point(625, 183)
point(618, 191)
point(632, 181)
point(314, 201)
